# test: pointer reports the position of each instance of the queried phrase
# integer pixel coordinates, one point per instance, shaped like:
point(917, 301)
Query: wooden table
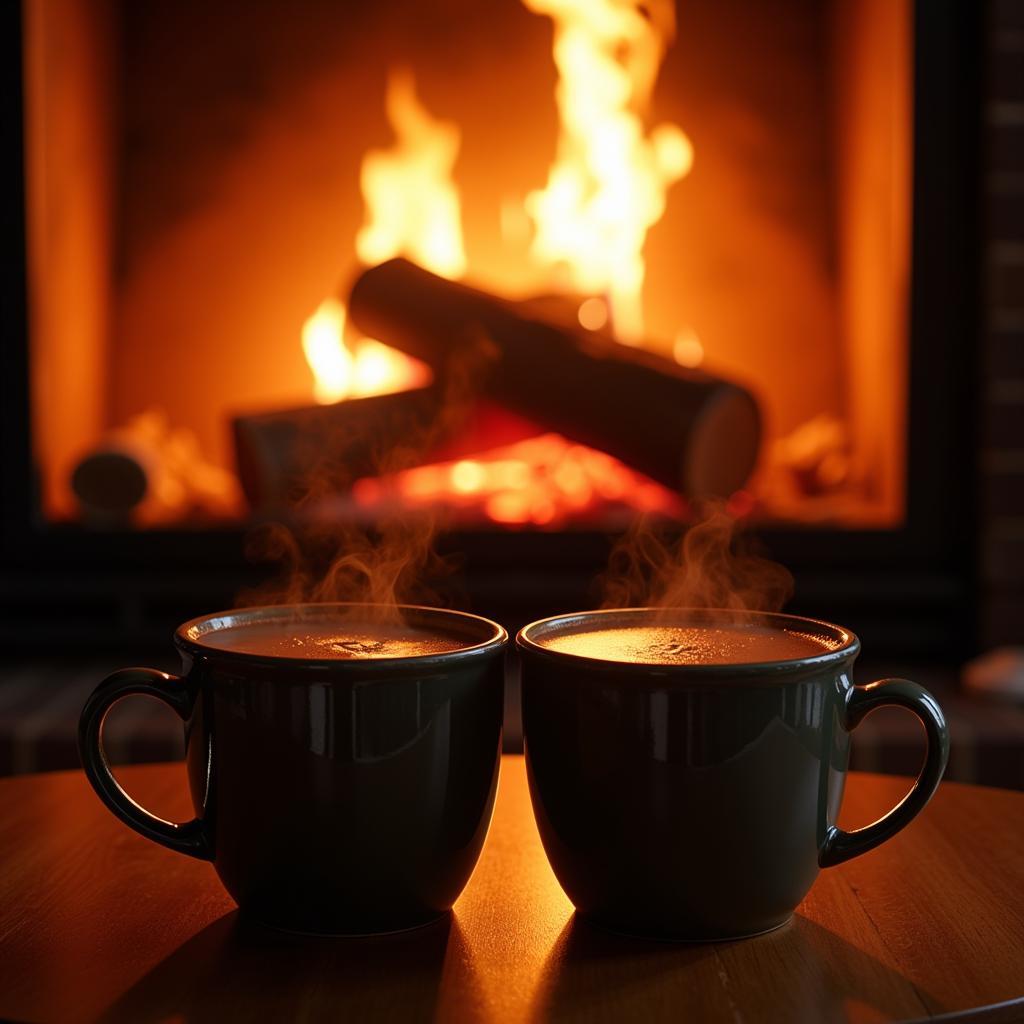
point(98, 923)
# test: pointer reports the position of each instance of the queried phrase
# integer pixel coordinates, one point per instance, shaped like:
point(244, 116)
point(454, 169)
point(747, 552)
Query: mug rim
point(185, 637)
point(849, 644)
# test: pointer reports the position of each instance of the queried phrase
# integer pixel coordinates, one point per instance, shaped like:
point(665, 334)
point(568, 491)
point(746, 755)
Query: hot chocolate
point(738, 644)
point(342, 758)
point(319, 639)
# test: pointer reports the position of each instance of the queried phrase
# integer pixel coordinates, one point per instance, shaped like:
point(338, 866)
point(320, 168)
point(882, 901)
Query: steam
point(385, 567)
point(711, 567)
point(337, 559)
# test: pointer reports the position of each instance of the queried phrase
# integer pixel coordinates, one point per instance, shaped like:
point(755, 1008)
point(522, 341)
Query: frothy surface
point(690, 645)
point(343, 641)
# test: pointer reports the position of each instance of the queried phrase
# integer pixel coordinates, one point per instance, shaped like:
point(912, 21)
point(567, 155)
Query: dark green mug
point(698, 802)
point(332, 796)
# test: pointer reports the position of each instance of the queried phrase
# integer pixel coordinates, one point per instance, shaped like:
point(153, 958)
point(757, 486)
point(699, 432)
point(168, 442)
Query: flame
point(605, 189)
point(412, 209)
point(328, 358)
point(607, 185)
point(411, 201)
point(372, 368)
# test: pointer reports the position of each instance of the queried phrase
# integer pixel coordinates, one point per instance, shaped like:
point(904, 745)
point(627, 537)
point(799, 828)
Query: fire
point(687, 349)
point(605, 189)
point(607, 185)
point(371, 368)
point(412, 209)
point(411, 201)
point(541, 481)
point(326, 354)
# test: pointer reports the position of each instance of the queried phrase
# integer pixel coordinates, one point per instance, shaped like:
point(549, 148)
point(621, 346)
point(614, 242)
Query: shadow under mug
point(698, 802)
point(333, 796)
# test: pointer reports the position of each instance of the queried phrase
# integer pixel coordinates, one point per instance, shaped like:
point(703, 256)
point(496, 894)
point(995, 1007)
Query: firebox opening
point(201, 198)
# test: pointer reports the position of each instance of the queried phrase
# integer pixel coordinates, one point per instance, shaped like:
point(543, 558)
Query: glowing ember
point(608, 183)
point(542, 481)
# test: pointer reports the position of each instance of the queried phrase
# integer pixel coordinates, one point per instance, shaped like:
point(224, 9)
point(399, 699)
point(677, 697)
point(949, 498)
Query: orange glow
point(608, 182)
point(180, 481)
point(328, 358)
point(605, 189)
point(412, 206)
point(593, 314)
point(583, 231)
point(816, 455)
point(687, 350)
point(379, 369)
point(412, 209)
point(508, 507)
point(338, 372)
point(540, 481)
point(468, 477)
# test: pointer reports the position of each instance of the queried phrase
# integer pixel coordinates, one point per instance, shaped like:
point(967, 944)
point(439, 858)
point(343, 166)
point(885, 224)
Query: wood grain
point(96, 923)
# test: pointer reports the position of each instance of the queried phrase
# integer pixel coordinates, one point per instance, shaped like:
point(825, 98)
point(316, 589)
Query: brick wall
point(1002, 363)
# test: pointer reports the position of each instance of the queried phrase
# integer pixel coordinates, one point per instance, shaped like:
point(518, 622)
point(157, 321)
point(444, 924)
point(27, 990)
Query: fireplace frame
point(909, 591)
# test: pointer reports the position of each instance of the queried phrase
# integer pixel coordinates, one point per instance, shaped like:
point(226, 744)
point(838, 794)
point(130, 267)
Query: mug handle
point(190, 837)
point(860, 701)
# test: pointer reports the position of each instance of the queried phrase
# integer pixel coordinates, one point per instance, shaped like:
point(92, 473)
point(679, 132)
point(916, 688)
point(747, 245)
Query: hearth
point(268, 248)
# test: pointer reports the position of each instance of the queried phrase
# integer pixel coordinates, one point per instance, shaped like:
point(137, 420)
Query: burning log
point(684, 428)
point(282, 456)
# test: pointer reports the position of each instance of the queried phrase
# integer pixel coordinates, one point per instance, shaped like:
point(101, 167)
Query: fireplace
point(779, 209)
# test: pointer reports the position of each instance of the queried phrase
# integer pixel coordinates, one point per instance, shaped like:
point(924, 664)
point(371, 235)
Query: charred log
point(286, 456)
point(687, 429)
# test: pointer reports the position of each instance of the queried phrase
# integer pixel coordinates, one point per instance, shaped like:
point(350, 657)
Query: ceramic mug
point(699, 801)
point(333, 796)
